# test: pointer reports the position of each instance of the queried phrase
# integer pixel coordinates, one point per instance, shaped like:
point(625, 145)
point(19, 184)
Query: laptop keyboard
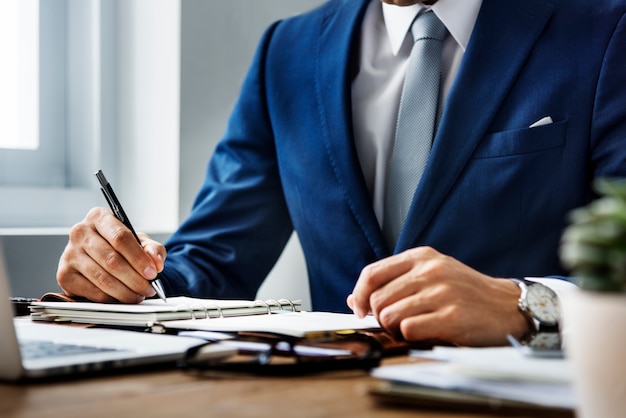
point(32, 350)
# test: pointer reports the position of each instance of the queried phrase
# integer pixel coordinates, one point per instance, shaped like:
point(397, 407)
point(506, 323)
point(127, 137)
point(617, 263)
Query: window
point(92, 86)
point(19, 81)
point(37, 165)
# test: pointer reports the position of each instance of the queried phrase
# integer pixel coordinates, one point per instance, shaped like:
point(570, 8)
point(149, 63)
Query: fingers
point(392, 306)
point(424, 295)
point(428, 327)
point(112, 240)
point(103, 261)
point(154, 249)
point(80, 275)
point(464, 322)
point(80, 286)
point(380, 273)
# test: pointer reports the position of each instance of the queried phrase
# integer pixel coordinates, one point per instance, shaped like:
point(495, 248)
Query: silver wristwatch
point(540, 306)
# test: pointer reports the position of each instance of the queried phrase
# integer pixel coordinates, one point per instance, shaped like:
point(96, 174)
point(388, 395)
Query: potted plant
point(594, 317)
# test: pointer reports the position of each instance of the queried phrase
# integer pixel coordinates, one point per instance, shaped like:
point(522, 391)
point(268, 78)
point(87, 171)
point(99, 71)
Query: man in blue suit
point(534, 108)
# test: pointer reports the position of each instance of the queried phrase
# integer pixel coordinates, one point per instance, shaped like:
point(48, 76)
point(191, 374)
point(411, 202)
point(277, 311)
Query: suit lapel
point(337, 52)
point(490, 66)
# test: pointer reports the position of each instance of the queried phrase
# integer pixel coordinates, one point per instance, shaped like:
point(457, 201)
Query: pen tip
point(156, 284)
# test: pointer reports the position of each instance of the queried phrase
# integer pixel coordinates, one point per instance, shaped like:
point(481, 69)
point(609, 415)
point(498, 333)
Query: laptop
point(30, 350)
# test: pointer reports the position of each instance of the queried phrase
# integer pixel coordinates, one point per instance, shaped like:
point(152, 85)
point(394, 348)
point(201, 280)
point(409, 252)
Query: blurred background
point(139, 88)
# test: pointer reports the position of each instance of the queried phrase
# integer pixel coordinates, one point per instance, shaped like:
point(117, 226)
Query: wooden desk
point(174, 393)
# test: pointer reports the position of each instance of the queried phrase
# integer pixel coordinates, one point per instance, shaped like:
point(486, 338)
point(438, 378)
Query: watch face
point(543, 304)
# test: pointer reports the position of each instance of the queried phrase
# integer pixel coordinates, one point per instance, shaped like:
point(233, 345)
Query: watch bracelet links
point(535, 326)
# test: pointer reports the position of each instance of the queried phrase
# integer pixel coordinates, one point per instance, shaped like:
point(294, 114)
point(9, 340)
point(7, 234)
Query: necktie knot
point(428, 26)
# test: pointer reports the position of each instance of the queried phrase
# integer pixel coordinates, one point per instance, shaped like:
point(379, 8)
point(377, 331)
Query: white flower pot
point(595, 341)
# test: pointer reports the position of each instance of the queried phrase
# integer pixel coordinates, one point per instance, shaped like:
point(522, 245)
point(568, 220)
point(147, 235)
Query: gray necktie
point(417, 118)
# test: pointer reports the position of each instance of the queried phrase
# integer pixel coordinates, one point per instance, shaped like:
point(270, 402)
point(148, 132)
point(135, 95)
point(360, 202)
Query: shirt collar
point(459, 17)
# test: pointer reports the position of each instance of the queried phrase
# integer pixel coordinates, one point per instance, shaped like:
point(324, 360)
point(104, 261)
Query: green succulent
point(593, 246)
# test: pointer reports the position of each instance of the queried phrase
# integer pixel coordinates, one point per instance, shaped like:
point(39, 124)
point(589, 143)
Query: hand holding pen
point(119, 213)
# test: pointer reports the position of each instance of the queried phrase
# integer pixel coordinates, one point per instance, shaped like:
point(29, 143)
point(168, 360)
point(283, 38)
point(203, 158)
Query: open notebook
point(154, 311)
point(182, 313)
point(34, 350)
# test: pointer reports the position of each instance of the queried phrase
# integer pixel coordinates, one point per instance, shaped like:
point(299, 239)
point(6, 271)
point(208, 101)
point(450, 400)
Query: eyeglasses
point(270, 354)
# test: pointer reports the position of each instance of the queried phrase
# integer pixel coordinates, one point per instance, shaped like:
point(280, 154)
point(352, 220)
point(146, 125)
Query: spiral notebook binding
point(194, 308)
point(289, 302)
point(281, 304)
point(271, 302)
point(198, 311)
point(180, 308)
point(264, 304)
point(220, 313)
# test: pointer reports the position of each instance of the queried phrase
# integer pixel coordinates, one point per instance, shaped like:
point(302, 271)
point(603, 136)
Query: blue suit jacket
point(495, 193)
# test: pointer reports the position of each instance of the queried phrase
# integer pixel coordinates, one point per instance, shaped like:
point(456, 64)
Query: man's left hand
point(425, 295)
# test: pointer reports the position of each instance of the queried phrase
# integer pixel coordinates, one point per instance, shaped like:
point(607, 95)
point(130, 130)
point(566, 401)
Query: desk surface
point(174, 393)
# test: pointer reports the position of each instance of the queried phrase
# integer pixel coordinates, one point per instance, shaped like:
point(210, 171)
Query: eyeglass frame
point(260, 362)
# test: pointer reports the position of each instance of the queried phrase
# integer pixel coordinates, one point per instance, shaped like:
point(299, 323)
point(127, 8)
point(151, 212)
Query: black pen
point(119, 213)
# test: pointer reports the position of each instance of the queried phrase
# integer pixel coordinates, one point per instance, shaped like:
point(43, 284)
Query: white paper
point(297, 324)
point(498, 372)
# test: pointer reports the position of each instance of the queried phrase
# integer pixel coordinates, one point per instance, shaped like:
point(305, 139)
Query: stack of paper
point(486, 374)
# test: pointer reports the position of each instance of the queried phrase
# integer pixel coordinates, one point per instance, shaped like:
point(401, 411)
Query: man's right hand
point(104, 262)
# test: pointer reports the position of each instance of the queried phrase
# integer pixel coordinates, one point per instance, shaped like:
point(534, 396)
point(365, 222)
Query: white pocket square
point(543, 121)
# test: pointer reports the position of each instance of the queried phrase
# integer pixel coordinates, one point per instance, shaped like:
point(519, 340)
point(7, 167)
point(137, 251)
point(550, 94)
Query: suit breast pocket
point(522, 141)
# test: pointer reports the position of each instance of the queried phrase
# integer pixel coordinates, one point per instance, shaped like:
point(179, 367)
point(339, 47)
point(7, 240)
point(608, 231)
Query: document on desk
point(497, 373)
point(295, 324)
